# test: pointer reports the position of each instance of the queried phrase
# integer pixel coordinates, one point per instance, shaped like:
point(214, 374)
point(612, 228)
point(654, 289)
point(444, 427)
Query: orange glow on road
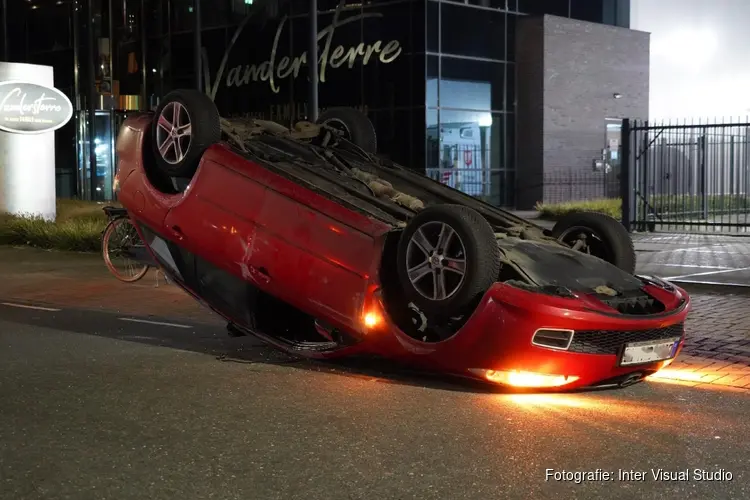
point(551, 400)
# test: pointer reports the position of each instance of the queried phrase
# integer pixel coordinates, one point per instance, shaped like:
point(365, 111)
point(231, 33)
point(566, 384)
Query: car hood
point(551, 265)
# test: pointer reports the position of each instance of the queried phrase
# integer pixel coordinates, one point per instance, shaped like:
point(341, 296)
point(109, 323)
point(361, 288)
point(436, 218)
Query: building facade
point(488, 96)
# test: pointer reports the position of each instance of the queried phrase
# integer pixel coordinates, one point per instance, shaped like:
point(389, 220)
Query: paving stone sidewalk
point(717, 349)
point(717, 345)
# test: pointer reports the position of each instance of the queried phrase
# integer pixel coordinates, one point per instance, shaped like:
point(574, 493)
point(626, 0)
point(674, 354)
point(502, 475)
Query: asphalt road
point(98, 406)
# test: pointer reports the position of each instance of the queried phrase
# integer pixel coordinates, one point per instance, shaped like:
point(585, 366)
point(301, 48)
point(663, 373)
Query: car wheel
point(447, 257)
point(185, 124)
point(597, 234)
point(354, 124)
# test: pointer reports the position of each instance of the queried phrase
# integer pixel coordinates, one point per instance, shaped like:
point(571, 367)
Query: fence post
point(627, 177)
point(703, 177)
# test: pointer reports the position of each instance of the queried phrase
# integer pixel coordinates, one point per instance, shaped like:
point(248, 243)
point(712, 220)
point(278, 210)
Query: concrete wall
point(568, 72)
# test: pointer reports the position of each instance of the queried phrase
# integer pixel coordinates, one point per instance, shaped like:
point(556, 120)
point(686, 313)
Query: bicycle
point(122, 243)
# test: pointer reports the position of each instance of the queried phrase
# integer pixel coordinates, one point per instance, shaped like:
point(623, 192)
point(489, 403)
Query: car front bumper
point(496, 345)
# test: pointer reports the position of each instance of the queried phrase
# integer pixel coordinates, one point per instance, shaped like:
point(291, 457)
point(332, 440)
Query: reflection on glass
point(104, 158)
point(83, 156)
point(459, 94)
point(464, 151)
point(100, 189)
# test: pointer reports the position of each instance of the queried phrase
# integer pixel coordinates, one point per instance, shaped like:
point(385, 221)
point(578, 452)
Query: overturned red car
point(306, 238)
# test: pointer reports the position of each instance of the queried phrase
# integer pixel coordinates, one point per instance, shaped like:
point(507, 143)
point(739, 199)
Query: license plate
point(636, 353)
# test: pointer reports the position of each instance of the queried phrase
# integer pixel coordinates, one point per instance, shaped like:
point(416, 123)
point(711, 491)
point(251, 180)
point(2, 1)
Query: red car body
point(325, 259)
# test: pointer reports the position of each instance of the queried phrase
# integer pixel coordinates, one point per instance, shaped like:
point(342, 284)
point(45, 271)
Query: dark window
point(472, 32)
point(510, 37)
point(508, 189)
point(490, 4)
point(432, 140)
point(432, 76)
point(417, 26)
point(510, 141)
point(40, 36)
point(586, 10)
point(62, 64)
point(182, 15)
point(385, 23)
point(433, 27)
point(154, 56)
point(395, 84)
point(553, 7)
point(400, 133)
point(510, 88)
point(470, 84)
point(156, 14)
point(214, 13)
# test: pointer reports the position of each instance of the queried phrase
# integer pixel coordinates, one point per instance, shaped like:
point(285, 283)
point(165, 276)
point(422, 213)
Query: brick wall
point(568, 72)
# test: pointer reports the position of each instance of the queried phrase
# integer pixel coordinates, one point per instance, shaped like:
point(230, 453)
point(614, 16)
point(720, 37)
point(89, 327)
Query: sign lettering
point(275, 68)
point(29, 108)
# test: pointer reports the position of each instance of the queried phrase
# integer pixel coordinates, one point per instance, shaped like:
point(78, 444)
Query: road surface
point(97, 405)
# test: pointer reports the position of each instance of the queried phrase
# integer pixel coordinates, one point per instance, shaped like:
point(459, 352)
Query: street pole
point(91, 74)
point(312, 62)
point(111, 22)
point(144, 61)
point(197, 45)
point(6, 52)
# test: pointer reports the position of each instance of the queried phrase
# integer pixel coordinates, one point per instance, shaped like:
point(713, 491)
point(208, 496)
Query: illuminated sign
point(30, 108)
point(277, 68)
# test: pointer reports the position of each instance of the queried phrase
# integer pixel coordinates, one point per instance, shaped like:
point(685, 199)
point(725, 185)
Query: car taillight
point(372, 311)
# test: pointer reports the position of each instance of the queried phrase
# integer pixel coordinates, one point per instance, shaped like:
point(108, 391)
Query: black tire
point(614, 243)
point(481, 257)
point(356, 126)
point(205, 131)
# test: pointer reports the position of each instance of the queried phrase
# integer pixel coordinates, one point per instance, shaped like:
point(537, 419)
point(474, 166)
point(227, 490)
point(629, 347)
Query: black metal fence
point(686, 177)
point(472, 168)
point(565, 185)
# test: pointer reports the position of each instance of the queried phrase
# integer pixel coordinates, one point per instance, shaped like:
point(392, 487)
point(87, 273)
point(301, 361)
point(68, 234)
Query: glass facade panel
point(466, 151)
point(432, 26)
point(537, 7)
point(472, 32)
point(437, 78)
point(491, 4)
point(432, 77)
point(468, 95)
point(471, 84)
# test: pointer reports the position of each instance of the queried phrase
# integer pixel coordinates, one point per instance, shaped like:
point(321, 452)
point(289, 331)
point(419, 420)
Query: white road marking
point(717, 252)
point(36, 308)
point(694, 266)
point(707, 273)
point(160, 323)
point(731, 252)
point(714, 283)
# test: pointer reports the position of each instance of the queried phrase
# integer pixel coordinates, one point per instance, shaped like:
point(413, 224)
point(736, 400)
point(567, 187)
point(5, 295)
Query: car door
point(214, 225)
point(314, 260)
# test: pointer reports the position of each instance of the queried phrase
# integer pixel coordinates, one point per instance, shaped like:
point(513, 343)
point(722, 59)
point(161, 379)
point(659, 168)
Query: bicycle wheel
point(119, 244)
